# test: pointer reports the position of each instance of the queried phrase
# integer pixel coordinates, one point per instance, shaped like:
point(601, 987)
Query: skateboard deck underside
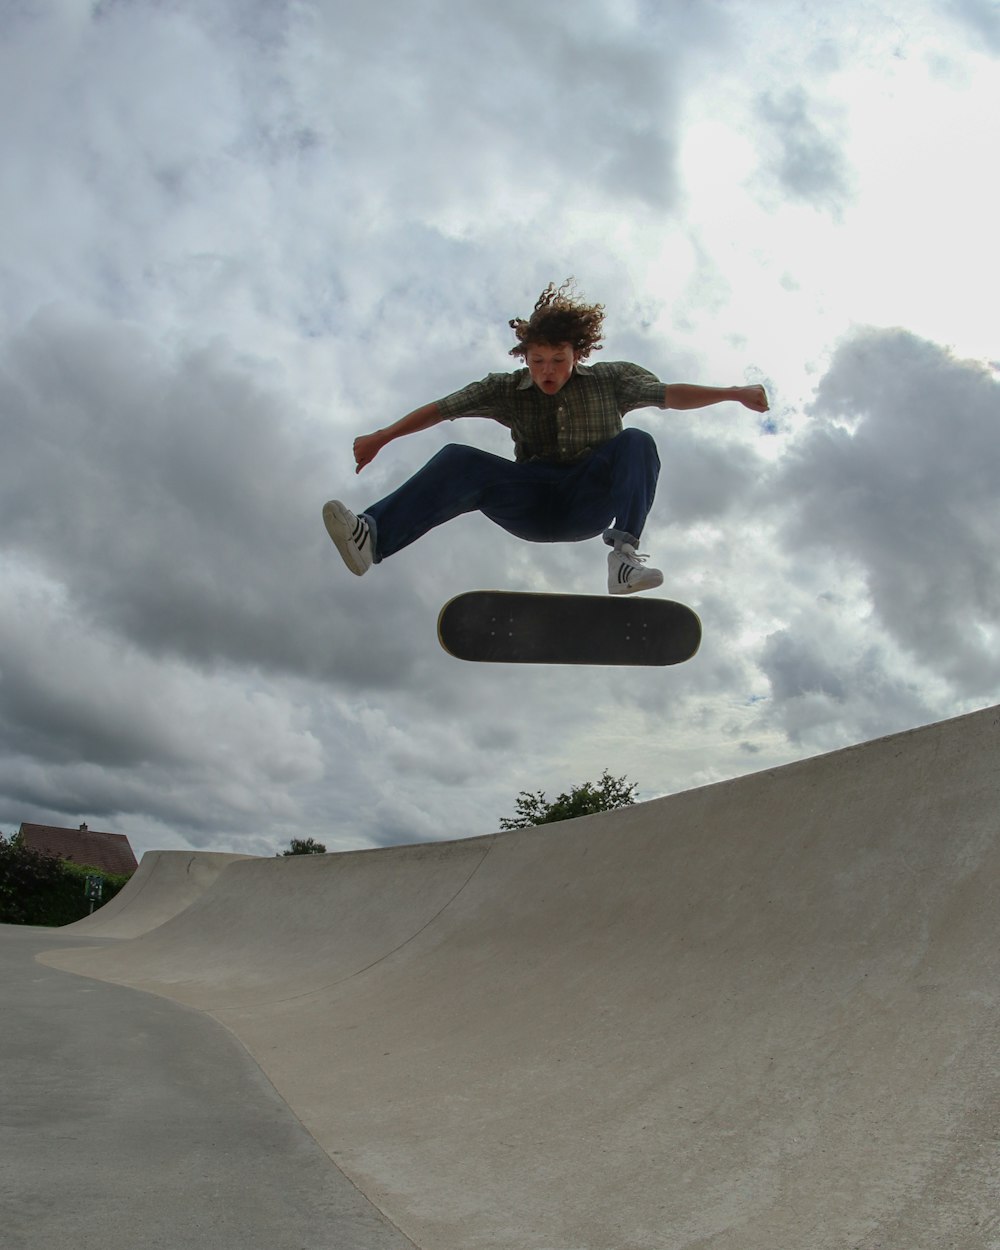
point(511, 627)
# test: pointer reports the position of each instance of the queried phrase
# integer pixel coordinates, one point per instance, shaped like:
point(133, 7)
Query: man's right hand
point(366, 448)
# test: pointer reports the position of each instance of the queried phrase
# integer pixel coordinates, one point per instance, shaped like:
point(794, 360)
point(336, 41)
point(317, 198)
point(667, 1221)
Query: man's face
point(551, 367)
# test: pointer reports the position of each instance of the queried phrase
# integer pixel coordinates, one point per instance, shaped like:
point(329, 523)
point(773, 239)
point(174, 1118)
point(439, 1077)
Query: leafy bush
point(38, 890)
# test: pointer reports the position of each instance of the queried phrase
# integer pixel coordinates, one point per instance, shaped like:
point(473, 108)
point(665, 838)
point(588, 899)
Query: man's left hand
point(753, 397)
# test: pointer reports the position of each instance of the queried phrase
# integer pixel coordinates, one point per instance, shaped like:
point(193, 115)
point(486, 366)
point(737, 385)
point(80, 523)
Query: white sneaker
point(627, 571)
point(352, 535)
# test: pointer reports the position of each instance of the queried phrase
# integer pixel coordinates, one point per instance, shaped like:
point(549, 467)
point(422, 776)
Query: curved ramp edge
point(165, 884)
point(273, 930)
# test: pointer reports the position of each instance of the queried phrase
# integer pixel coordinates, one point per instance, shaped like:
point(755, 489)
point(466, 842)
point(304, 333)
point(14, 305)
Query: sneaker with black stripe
point(351, 534)
point(627, 571)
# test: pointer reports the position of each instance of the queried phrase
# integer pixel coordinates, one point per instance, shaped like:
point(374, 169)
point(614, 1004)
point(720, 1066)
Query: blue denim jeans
point(609, 493)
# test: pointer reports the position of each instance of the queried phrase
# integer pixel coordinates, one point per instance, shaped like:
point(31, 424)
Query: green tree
point(583, 800)
point(303, 846)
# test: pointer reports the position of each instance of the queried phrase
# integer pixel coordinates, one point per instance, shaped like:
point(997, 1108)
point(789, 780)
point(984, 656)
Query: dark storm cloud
point(801, 150)
point(528, 97)
point(899, 476)
point(178, 502)
point(833, 682)
point(795, 668)
point(701, 479)
point(981, 19)
point(92, 727)
point(49, 712)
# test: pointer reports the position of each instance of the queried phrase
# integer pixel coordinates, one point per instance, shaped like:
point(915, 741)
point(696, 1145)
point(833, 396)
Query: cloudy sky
point(237, 233)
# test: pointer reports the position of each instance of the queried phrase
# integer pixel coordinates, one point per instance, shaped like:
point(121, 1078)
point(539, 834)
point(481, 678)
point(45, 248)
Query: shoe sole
point(633, 590)
point(341, 530)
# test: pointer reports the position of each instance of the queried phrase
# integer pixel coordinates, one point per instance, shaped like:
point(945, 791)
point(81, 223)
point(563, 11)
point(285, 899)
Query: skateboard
point(510, 627)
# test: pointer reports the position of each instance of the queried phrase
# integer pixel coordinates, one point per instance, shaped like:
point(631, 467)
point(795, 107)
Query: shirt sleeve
point(636, 387)
point(486, 398)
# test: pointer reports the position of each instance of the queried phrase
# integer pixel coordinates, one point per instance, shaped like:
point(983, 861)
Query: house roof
point(108, 851)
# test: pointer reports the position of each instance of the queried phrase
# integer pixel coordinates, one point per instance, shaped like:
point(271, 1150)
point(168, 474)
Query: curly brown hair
point(559, 317)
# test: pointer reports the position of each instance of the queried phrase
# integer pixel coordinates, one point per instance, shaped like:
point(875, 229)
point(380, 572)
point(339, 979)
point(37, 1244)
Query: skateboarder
point(577, 471)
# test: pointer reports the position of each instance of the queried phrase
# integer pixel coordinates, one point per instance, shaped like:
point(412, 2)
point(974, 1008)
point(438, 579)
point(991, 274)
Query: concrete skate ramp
point(164, 884)
point(759, 1015)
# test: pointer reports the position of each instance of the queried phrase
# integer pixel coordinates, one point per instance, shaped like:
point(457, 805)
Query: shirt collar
point(579, 371)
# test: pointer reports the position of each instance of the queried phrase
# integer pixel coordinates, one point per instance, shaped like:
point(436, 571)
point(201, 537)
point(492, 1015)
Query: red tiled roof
point(108, 851)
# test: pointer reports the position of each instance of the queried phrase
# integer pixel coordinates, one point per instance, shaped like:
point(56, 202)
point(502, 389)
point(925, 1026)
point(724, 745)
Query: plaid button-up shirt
point(564, 427)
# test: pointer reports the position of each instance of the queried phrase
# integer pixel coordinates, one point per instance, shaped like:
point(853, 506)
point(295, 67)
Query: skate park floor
point(130, 1123)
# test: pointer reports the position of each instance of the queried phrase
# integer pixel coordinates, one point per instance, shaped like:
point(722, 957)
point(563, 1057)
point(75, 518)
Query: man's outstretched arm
point(367, 446)
point(686, 395)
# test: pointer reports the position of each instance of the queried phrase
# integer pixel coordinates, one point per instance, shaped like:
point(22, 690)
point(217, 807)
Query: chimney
point(83, 827)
